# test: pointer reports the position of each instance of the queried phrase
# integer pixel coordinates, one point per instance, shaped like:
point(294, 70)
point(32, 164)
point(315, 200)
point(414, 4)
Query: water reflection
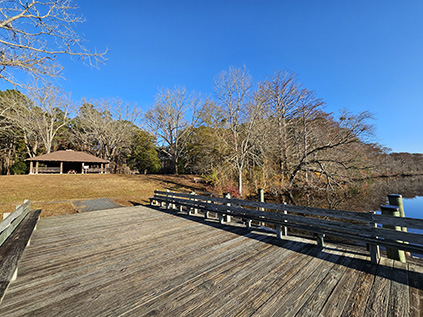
point(368, 195)
point(413, 207)
point(408, 187)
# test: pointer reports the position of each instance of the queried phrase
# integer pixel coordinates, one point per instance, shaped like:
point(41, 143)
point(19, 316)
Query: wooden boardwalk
point(141, 261)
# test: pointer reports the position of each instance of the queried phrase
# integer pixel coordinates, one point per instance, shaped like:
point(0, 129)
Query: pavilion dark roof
point(68, 156)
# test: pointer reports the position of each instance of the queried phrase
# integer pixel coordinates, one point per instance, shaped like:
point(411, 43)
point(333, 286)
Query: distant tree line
point(273, 134)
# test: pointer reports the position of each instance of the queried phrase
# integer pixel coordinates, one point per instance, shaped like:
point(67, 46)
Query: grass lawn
point(54, 193)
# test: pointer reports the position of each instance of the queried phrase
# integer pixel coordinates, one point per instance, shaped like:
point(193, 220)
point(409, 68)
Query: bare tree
point(281, 95)
point(239, 112)
point(105, 128)
point(329, 150)
point(33, 33)
point(39, 116)
point(171, 120)
point(17, 118)
point(51, 107)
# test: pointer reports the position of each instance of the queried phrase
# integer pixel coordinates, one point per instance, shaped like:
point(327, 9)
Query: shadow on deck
point(363, 264)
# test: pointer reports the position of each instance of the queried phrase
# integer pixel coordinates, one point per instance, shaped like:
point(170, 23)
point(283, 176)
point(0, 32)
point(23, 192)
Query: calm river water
point(413, 207)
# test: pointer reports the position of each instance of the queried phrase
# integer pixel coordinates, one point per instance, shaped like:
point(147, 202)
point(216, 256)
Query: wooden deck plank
point(94, 277)
point(399, 301)
point(198, 289)
point(140, 286)
point(295, 301)
point(415, 278)
point(142, 261)
point(258, 290)
point(296, 285)
point(377, 304)
point(61, 269)
point(222, 297)
point(340, 295)
point(319, 297)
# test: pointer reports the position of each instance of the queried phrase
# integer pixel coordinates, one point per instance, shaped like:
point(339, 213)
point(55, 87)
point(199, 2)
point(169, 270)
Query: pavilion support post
point(36, 167)
point(61, 167)
point(101, 168)
point(82, 168)
point(31, 167)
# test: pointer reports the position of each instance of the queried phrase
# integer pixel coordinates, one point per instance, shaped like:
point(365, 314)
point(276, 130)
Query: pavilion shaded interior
point(67, 162)
point(68, 168)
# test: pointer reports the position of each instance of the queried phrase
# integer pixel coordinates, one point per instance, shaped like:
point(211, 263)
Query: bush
point(19, 168)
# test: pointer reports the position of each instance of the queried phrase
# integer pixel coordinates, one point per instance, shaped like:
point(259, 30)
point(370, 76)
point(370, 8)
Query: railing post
point(374, 248)
point(206, 212)
point(220, 218)
point(167, 202)
point(393, 253)
point(285, 228)
point(191, 208)
point(320, 239)
point(195, 210)
point(396, 200)
point(227, 196)
point(279, 232)
point(248, 223)
point(261, 199)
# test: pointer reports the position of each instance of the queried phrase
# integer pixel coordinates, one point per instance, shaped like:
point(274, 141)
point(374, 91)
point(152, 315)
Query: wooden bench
point(15, 234)
point(352, 226)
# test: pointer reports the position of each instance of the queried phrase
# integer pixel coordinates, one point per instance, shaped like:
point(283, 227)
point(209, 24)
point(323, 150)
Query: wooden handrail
point(347, 224)
point(8, 225)
point(340, 214)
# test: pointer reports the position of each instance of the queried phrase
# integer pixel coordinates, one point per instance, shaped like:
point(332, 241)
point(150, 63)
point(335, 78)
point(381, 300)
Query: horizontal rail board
point(347, 215)
point(274, 218)
point(398, 221)
point(362, 231)
point(9, 219)
point(12, 250)
point(350, 215)
point(9, 224)
point(278, 218)
point(347, 234)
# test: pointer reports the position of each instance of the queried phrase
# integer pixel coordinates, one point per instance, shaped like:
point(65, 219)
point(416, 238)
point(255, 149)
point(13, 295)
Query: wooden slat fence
point(362, 227)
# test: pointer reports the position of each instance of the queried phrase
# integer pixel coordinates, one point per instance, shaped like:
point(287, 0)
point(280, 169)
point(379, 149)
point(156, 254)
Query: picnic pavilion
point(67, 161)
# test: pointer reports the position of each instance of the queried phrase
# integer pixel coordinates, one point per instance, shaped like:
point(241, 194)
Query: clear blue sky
point(362, 55)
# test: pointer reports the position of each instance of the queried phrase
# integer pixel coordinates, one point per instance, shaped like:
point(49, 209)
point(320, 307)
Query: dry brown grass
point(55, 193)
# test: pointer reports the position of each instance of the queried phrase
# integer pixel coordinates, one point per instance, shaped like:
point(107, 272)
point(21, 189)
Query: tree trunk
point(176, 166)
point(240, 181)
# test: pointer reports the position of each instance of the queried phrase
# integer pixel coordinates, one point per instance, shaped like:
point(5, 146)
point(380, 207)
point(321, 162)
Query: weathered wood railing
point(9, 224)
point(355, 226)
point(15, 233)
